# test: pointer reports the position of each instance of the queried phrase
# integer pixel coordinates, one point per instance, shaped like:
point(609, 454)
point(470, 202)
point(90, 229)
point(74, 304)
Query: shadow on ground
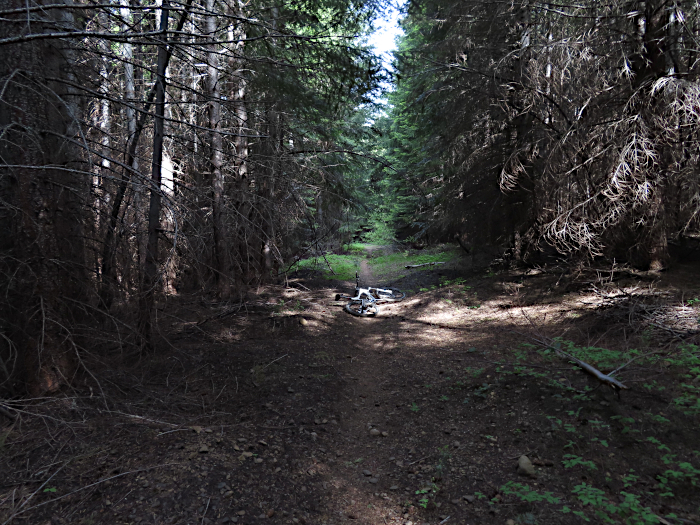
point(299, 413)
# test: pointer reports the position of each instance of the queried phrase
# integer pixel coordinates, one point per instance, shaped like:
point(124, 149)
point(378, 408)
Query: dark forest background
point(153, 148)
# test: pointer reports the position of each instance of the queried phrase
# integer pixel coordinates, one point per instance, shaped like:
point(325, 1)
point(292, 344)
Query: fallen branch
point(5, 411)
point(424, 264)
point(600, 376)
point(589, 369)
point(20, 511)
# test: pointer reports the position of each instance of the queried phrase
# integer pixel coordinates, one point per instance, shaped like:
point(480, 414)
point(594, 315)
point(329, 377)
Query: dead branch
point(424, 264)
point(590, 369)
point(6, 412)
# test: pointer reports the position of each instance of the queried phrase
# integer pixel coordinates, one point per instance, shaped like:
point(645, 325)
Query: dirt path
point(296, 412)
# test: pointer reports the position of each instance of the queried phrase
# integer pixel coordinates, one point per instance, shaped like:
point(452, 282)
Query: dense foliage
point(154, 147)
point(537, 125)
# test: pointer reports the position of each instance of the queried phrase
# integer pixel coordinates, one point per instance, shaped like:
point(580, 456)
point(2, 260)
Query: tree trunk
point(237, 35)
point(214, 94)
point(150, 277)
point(45, 183)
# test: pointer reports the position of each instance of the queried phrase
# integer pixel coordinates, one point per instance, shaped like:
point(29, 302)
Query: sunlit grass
point(385, 266)
point(344, 266)
point(394, 264)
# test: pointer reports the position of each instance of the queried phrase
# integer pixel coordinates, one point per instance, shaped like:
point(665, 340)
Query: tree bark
point(45, 182)
point(150, 277)
point(214, 94)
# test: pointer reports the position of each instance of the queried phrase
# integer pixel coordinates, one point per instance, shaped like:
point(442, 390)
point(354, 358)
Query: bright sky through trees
point(384, 38)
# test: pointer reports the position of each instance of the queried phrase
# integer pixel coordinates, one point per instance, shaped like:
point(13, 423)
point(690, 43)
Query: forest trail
point(297, 412)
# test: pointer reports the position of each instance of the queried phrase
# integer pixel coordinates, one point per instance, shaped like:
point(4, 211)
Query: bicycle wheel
point(355, 308)
point(391, 294)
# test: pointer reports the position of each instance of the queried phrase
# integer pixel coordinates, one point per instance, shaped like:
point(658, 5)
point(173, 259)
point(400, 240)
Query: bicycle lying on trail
point(366, 301)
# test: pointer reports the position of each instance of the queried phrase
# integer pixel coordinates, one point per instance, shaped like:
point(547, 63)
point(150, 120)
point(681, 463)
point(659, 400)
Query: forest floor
point(285, 409)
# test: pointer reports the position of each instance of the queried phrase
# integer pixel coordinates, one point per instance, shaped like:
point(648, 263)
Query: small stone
point(469, 498)
point(456, 444)
point(373, 480)
point(241, 513)
point(290, 390)
point(270, 513)
point(314, 436)
point(258, 460)
point(604, 404)
point(241, 440)
point(510, 522)
point(394, 487)
point(385, 434)
point(303, 322)
point(208, 430)
point(455, 501)
point(375, 432)
point(203, 449)
point(525, 467)
point(367, 473)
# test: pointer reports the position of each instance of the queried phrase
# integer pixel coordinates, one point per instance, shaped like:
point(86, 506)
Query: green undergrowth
point(384, 265)
point(587, 438)
point(343, 266)
point(632, 459)
point(393, 264)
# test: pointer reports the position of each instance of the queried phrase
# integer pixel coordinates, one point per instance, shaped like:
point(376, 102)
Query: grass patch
point(383, 266)
point(344, 266)
point(356, 248)
point(394, 263)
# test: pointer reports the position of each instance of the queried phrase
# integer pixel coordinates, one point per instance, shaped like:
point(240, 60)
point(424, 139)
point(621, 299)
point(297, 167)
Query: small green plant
point(481, 391)
point(526, 494)
point(444, 398)
point(414, 407)
point(426, 493)
point(657, 418)
point(423, 501)
point(571, 460)
point(629, 511)
point(694, 301)
point(50, 490)
point(474, 372)
point(630, 478)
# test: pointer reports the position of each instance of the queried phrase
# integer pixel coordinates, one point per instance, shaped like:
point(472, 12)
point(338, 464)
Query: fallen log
point(424, 264)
